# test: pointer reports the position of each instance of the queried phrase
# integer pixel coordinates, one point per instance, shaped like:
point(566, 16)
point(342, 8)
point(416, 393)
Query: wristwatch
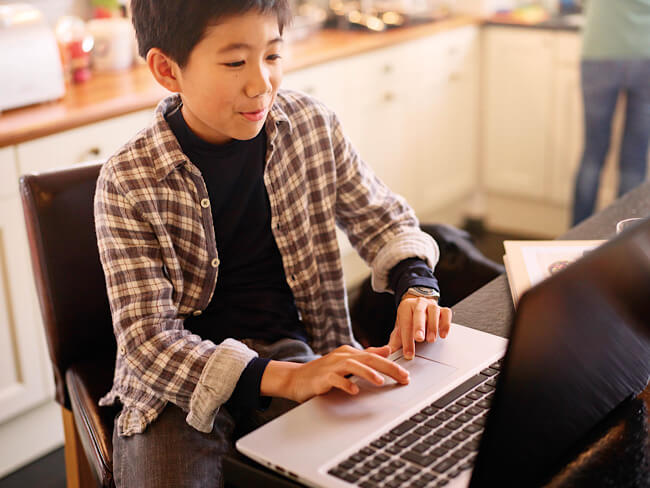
point(423, 291)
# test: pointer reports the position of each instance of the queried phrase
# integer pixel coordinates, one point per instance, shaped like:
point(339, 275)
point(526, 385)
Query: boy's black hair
point(176, 26)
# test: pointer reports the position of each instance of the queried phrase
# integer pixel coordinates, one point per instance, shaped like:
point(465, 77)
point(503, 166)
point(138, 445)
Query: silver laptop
point(580, 345)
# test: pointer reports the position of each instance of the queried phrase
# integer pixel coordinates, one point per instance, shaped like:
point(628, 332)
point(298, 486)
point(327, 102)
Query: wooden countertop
point(112, 95)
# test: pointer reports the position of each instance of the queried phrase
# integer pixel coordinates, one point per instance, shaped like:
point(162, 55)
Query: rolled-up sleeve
point(180, 367)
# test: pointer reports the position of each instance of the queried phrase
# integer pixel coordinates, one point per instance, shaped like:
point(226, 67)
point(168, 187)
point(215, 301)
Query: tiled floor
point(49, 471)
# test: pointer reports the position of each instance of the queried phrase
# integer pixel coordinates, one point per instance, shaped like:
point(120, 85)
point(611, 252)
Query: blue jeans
point(602, 81)
point(171, 454)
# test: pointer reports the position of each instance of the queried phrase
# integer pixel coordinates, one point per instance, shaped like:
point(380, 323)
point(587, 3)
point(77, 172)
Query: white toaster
point(30, 65)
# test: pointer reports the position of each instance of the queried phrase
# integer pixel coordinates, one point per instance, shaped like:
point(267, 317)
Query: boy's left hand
point(418, 319)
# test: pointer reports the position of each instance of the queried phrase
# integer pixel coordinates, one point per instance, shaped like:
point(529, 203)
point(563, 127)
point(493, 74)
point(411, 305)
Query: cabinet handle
point(310, 90)
point(388, 68)
point(90, 154)
point(389, 97)
point(454, 77)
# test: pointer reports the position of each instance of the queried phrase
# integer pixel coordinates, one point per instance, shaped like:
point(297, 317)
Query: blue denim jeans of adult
point(602, 82)
point(171, 454)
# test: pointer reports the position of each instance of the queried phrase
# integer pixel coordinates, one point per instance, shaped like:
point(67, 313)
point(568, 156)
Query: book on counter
point(529, 262)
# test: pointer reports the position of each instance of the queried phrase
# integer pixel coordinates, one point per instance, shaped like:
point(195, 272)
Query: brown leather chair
point(58, 209)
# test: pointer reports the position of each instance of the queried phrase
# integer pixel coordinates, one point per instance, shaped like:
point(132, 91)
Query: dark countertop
point(617, 452)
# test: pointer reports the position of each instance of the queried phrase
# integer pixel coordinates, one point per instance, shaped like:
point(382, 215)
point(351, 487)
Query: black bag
point(461, 270)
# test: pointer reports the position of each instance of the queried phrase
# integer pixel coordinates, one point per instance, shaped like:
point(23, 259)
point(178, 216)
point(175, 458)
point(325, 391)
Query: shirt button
point(196, 313)
point(122, 350)
point(205, 203)
point(215, 262)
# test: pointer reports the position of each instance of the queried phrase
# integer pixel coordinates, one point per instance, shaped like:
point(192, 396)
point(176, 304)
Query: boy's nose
point(259, 83)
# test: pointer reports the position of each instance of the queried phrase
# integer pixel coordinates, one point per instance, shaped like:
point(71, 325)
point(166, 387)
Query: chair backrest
point(58, 209)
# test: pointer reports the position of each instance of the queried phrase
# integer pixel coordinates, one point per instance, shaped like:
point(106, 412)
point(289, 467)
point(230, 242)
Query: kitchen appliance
point(30, 64)
point(114, 38)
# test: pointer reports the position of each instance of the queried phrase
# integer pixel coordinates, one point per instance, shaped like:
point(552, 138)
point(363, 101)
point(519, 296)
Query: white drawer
point(527, 41)
point(8, 173)
point(88, 143)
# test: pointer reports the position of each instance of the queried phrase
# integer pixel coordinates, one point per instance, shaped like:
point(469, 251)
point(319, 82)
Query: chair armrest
point(87, 382)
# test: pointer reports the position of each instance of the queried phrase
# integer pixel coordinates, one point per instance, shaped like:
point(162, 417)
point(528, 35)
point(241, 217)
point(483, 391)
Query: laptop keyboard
point(432, 447)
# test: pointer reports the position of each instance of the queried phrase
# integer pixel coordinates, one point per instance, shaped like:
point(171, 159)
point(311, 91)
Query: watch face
point(424, 291)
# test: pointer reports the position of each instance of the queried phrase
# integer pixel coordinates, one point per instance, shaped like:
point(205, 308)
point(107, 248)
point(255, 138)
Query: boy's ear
point(164, 69)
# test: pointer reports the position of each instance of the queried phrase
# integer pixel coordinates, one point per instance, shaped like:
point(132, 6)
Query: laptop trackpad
point(425, 374)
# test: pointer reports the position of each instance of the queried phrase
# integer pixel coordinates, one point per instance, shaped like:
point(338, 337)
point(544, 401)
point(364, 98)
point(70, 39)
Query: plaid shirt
point(158, 250)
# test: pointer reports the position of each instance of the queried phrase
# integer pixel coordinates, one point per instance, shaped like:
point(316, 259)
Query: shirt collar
point(166, 152)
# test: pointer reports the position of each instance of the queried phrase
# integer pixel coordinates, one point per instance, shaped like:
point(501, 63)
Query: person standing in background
point(615, 58)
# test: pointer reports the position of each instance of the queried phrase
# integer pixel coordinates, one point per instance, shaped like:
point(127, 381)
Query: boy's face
point(231, 78)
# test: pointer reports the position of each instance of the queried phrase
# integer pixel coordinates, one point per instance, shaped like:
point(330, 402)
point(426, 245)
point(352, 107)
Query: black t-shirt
point(252, 298)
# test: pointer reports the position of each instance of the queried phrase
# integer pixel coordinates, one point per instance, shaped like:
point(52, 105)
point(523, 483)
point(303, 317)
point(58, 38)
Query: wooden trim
point(77, 469)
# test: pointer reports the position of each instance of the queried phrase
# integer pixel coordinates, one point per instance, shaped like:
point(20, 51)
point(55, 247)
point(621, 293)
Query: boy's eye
point(273, 57)
point(236, 64)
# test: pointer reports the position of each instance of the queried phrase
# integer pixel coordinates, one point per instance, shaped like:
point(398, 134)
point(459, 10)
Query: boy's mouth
point(254, 116)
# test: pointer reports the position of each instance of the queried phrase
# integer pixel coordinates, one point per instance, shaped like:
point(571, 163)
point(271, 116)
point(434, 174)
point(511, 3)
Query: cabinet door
point(442, 117)
point(457, 151)
point(379, 89)
point(567, 128)
point(88, 143)
point(25, 375)
point(426, 121)
point(382, 140)
point(518, 91)
point(568, 134)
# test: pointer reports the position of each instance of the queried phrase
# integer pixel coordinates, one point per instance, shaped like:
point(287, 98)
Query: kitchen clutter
point(40, 54)
point(379, 15)
point(75, 45)
point(107, 41)
point(113, 43)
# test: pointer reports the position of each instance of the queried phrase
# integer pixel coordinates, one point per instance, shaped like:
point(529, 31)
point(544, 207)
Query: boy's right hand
point(300, 382)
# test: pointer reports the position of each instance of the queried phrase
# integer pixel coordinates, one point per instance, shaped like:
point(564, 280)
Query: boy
point(216, 231)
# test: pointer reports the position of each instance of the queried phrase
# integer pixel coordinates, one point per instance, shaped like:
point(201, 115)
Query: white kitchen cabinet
point(26, 385)
point(23, 363)
point(532, 130)
point(411, 112)
point(23, 372)
point(455, 154)
point(566, 130)
point(442, 113)
point(88, 143)
point(421, 128)
point(22, 376)
point(517, 105)
point(26, 382)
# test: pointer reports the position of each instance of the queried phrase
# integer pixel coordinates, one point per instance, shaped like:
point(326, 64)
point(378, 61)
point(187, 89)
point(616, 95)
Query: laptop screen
point(580, 345)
